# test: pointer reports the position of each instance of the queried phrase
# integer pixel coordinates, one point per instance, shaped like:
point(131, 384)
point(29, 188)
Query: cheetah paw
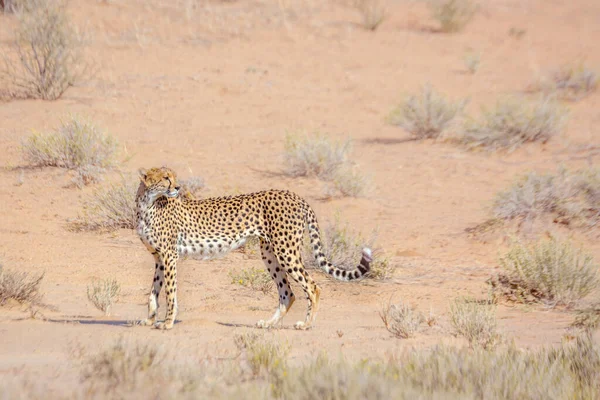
point(146, 322)
point(301, 326)
point(163, 326)
point(262, 324)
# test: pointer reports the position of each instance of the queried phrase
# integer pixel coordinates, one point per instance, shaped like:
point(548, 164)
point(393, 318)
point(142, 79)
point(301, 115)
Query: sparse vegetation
point(401, 320)
point(452, 15)
point(20, 287)
point(549, 271)
point(513, 123)
point(426, 114)
point(570, 370)
point(373, 12)
point(472, 61)
point(314, 155)
point(254, 278)
point(103, 294)
point(47, 57)
point(192, 185)
point(343, 247)
point(77, 144)
point(262, 355)
point(110, 207)
point(570, 198)
point(318, 156)
point(346, 182)
point(475, 321)
point(572, 82)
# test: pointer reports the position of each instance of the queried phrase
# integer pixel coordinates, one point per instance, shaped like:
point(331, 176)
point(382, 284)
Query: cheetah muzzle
point(173, 226)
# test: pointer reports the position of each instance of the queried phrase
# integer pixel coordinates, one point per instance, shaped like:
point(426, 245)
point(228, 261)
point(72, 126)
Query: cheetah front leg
point(169, 260)
point(157, 284)
point(286, 296)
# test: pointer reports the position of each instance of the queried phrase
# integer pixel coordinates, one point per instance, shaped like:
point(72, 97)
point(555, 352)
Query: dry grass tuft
point(193, 185)
point(426, 114)
point(103, 294)
point(110, 207)
point(263, 356)
point(314, 155)
point(254, 278)
point(452, 15)
point(513, 123)
point(571, 198)
point(573, 82)
point(318, 156)
point(373, 12)
point(549, 271)
point(343, 247)
point(77, 144)
point(401, 320)
point(472, 61)
point(475, 321)
point(20, 287)
point(47, 57)
point(263, 371)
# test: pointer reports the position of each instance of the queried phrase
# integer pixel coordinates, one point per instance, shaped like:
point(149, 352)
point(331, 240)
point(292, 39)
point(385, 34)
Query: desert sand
point(210, 89)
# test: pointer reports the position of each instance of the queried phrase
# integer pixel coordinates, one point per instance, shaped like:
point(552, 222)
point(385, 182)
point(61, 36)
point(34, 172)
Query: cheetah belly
point(207, 249)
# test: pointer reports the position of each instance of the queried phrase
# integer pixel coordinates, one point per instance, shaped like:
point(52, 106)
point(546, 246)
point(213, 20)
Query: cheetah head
point(157, 182)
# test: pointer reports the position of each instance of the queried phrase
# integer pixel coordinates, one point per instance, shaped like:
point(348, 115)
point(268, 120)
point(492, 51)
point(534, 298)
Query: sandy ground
point(210, 89)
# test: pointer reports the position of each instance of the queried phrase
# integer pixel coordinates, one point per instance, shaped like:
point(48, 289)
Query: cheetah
point(174, 225)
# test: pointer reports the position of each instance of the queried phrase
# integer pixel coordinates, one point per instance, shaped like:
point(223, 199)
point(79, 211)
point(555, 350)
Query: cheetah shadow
point(253, 326)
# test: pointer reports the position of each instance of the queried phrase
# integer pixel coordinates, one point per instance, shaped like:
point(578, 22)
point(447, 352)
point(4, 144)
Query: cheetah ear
point(143, 174)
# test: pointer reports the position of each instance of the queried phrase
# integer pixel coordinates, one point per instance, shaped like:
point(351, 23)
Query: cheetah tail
point(359, 272)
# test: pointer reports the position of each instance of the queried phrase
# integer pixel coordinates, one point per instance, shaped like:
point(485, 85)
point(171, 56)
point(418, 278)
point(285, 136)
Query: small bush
point(20, 287)
point(103, 294)
point(192, 186)
point(426, 114)
point(343, 247)
point(571, 198)
point(120, 366)
point(318, 156)
point(110, 207)
point(254, 278)
point(549, 271)
point(263, 356)
point(512, 124)
point(346, 182)
point(401, 320)
point(569, 82)
point(373, 12)
point(475, 321)
point(472, 62)
point(48, 58)
point(314, 156)
point(77, 144)
point(452, 15)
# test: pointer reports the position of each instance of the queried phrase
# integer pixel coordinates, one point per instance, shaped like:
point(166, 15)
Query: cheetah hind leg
point(286, 296)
